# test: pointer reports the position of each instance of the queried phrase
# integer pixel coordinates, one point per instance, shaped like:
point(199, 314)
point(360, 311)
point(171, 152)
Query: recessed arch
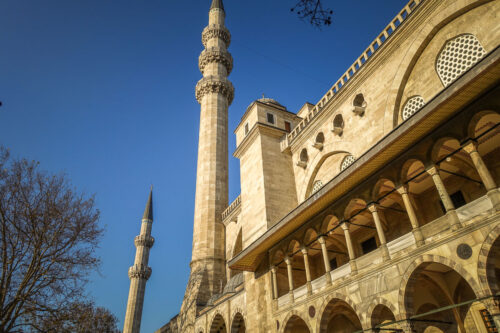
point(420, 42)
point(218, 324)
point(338, 124)
point(338, 312)
point(320, 138)
point(407, 306)
point(304, 157)
point(488, 266)
point(482, 121)
point(323, 168)
point(238, 323)
point(294, 323)
point(382, 315)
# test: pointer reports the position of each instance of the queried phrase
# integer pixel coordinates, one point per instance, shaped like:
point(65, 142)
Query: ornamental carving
point(214, 84)
point(215, 31)
point(139, 272)
point(215, 55)
point(142, 240)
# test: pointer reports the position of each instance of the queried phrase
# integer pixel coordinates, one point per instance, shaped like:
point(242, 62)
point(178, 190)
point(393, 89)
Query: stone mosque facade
point(377, 209)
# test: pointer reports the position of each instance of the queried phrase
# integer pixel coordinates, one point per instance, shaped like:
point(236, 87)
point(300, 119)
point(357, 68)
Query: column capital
point(287, 260)
point(273, 269)
point(345, 226)
point(304, 250)
point(470, 146)
point(321, 240)
point(372, 206)
point(433, 170)
point(403, 189)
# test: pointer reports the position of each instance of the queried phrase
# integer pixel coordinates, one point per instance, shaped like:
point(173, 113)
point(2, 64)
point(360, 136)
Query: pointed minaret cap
point(148, 212)
point(217, 4)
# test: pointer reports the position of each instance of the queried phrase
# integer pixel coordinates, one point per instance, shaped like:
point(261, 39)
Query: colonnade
point(433, 171)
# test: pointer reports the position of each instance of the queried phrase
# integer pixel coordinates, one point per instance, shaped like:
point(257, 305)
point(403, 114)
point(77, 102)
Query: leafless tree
point(80, 317)
point(49, 233)
point(313, 11)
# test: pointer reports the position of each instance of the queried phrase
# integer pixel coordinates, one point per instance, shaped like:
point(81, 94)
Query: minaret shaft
point(139, 273)
point(214, 93)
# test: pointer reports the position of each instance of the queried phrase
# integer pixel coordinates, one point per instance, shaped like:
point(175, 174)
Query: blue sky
point(103, 90)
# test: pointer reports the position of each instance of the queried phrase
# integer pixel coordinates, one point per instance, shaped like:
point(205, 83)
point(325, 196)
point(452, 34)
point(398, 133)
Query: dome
point(266, 100)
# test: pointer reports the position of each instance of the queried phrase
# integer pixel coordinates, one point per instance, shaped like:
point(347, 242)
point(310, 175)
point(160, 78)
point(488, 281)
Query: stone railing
point(389, 30)
point(235, 204)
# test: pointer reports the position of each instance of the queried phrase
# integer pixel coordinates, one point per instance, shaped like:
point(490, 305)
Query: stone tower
point(215, 93)
point(139, 273)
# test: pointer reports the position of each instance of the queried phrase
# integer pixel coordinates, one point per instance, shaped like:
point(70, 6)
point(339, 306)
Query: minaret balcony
point(143, 240)
point(215, 55)
point(214, 84)
point(139, 272)
point(216, 31)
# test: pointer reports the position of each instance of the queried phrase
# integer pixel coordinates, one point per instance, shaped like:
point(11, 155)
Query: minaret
point(140, 272)
point(215, 93)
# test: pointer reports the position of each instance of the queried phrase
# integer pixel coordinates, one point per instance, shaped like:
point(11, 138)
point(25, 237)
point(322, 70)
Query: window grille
point(457, 56)
point(348, 160)
point(317, 186)
point(412, 106)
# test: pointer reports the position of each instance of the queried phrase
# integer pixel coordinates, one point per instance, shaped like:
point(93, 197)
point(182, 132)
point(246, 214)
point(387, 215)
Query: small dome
point(266, 100)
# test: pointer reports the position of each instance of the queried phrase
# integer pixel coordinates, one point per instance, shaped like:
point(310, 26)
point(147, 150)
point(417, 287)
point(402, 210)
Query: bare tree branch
point(49, 234)
point(312, 11)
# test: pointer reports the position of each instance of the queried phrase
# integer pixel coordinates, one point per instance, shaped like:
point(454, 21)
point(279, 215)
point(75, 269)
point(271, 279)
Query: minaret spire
point(139, 273)
point(148, 211)
point(217, 4)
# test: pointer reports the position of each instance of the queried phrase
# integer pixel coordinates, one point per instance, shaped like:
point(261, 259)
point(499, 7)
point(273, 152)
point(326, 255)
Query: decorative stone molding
point(214, 84)
point(217, 55)
point(216, 31)
point(139, 272)
point(143, 240)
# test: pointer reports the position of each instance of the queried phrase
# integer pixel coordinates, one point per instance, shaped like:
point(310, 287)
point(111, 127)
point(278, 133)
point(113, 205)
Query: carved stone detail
point(216, 31)
point(139, 272)
point(214, 84)
point(143, 240)
point(215, 55)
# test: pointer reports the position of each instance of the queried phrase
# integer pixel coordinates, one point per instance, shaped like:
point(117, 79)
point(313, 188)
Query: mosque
point(377, 209)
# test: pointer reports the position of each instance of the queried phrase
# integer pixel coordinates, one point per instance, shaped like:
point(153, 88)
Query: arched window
point(317, 186)
point(320, 140)
point(457, 56)
point(412, 105)
point(338, 125)
point(303, 159)
point(347, 161)
point(359, 105)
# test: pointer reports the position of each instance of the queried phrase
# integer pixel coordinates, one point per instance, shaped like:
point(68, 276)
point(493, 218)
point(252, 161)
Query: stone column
point(482, 170)
point(417, 233)
point(274, 282)
point(308, 271)
point(445, 197)
point(484, 173)
point(380, 231)
point(288, 262)
point(326, 260)
point(350, 248)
